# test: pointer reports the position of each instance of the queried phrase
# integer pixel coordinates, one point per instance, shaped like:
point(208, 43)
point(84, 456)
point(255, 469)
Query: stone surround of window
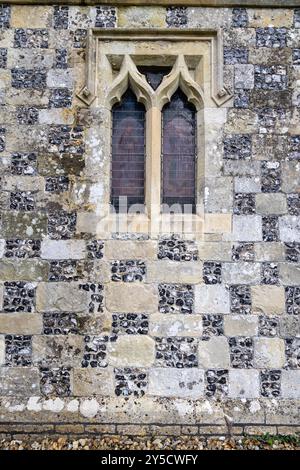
point(112, 61)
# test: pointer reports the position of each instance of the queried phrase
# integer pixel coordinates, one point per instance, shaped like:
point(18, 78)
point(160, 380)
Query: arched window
point(179, 152)
point(128, 151)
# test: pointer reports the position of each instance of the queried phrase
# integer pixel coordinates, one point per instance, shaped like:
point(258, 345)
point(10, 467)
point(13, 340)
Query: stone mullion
point(153, 166)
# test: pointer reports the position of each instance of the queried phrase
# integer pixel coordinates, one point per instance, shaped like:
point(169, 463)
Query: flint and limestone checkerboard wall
point(150, 335)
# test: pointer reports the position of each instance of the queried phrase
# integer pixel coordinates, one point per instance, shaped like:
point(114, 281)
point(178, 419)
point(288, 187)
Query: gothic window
point(128, 151)
point(179, 152)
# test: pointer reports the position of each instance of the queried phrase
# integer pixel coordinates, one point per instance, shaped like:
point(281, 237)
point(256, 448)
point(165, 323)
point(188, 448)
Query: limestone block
point(60, 78)
point(269, 353)
point(19, 381)
point(214, 353)
point(24, 270)
point(27, 16)
point(63, 249)
point(56, 350)
point(131, 17)
point(245, 184)
point(87, 222)
point(247, 228)
point(175, 325)
point(131, 298)
point(211, 299)
point(218, 194)
point(2, 248)
point(180, 383)
point(24, 183)
point(290, 172)
point(131, 350)
point(173, 272)
point(268, 300)
point(209, 17)
point(270, 251)
point(271, 203)
point(240, 325)
point(2, 350)
point(241, 273)
point(21, 323)
point(24, 225)
point(28, 58)
point(214, 251)
point(241, 121)
point(244, 76)
point(290, 384)
point(266, 56)
point(268, 17)
point(289, 228)
point(289, 326)
point(26, 97)
point(97, 381)
point(289, 274)
point(243, 383)
point(127, 249)
point(1, 295)
point(56, 116)
point(217, 223)
point(60, 297)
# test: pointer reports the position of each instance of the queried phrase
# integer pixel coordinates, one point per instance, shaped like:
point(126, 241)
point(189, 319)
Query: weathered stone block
point(20, 323)
point(214, 353)
point(289, 228)
point(289, 274)
point(289, 326)
point(135, 351)
point(241, 121)
point(244, 76)
point(131, 298)
point(290, 384)
point(237, 325)
point(241, 273)
point(24, 270)
point(217, 223)
point(270, 203)
point(215, 251)
point(2, 350)
point(272, 251)
point(172, 272)
point(264, 17)
point(19, 381)
point(180, 383)
point(132, 17)
point(175, 325)
point(57, 350)
point(247, 228)
point(26, 16)
point(268, 300)
point(269, 353)
point(246, 184)
point(59, 297)
point(18, 225)
point(211, 299)
point(127, 249)
point(243, 383)
point(63, 249)
point(88, 382)
point(218, 194)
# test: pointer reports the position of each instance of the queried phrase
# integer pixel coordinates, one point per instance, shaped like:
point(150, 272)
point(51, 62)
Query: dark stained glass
point(128, 151)
point(179, 151)
point(154, 75)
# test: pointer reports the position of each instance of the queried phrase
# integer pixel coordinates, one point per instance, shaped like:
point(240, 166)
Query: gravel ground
point(155, 443)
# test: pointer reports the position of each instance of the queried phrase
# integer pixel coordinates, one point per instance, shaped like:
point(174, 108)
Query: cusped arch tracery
point(129, 76)
point(179, 78)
